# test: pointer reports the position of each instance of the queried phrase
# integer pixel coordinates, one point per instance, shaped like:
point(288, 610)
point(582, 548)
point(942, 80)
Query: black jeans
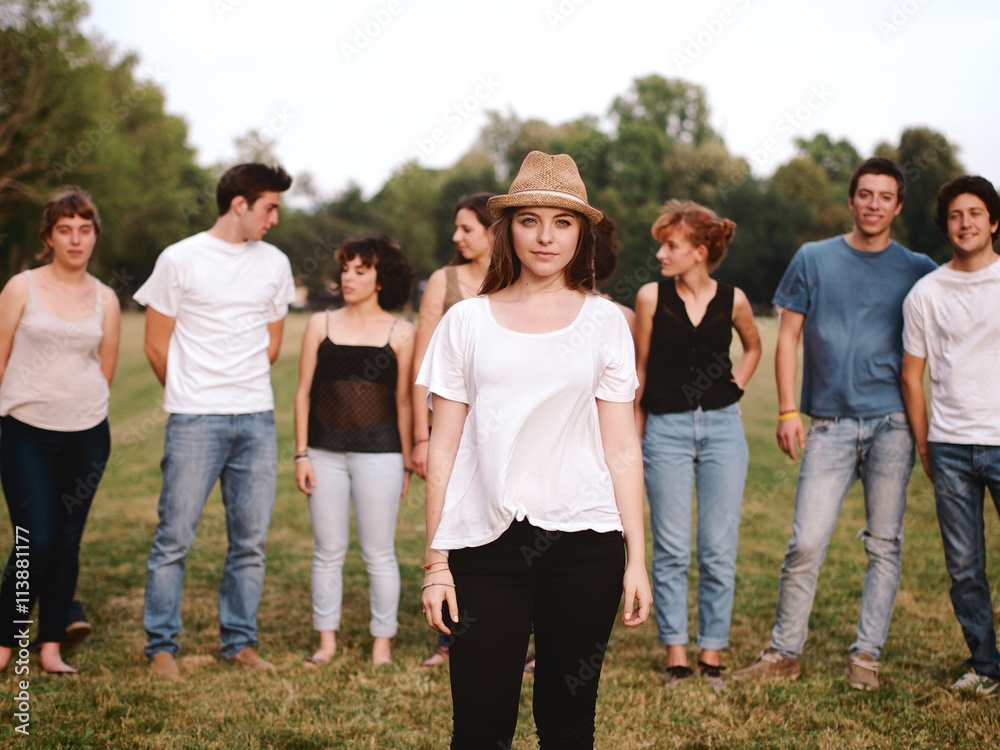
point(49, 479)
point(569, 585)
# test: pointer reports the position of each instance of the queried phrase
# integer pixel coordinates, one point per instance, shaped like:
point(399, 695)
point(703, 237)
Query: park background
point(78, 107)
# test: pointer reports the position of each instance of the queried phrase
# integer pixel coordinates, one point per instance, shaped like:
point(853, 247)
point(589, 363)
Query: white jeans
point(372, 481)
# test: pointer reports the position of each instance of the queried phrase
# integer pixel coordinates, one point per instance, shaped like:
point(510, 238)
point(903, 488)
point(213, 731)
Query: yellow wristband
point(787, 415)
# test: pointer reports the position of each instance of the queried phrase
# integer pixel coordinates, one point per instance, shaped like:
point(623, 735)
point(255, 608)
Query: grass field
point(350, 704)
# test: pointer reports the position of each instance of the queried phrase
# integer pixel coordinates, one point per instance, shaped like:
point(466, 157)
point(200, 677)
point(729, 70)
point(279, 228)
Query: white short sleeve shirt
point(222, 296)
point(531, 446)
point(952, 319)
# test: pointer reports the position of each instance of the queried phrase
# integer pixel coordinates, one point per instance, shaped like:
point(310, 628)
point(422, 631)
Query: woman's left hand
point(638, 596)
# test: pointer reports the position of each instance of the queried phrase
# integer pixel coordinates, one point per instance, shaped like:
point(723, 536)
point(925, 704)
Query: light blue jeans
point(708, 449)
point(373, 482)
point(879, 451)
point(241, 452)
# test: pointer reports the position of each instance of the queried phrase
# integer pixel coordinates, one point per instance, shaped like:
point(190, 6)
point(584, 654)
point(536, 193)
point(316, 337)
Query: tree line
point(75, 110)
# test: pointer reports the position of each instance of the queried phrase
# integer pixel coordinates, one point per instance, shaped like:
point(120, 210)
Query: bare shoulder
point(15, 291)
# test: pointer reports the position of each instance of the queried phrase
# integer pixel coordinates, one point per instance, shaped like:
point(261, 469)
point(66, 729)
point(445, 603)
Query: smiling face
point(72, 241)
point(358, 282)
point(255, 220)
point(875, 204)
point(470, 236)
point(677, 254)
point(545, 239)
point(970, 230)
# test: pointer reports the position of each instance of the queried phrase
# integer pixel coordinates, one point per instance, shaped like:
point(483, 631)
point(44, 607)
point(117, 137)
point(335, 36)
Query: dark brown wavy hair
point(393, 272)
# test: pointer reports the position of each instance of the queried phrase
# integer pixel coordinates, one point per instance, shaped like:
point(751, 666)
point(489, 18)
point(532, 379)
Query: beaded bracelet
point(298, 459)
point(428, 585)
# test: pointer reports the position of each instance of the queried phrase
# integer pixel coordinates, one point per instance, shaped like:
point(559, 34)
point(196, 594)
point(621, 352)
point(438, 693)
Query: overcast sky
point(348, 91)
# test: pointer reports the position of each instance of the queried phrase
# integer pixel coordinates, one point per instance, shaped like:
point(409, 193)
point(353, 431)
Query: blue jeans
point(707, 449)
point(879, 451)
point(241, 452)
point(49, 480)
point(961, 475)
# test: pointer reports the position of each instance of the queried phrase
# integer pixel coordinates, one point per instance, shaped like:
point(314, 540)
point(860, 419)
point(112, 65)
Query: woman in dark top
point(688, 417)
point(353, 424)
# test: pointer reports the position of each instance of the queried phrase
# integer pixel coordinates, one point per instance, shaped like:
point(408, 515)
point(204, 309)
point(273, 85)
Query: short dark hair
point(605, 249)
point(66, 202)
point(249, 181)
point(393, 272)
point(505, 267)
point(476, 202)
point(878, 165)
point(977, 186)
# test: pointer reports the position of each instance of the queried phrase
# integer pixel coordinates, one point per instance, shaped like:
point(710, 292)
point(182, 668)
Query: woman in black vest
point(353, 425)
point(688, 416)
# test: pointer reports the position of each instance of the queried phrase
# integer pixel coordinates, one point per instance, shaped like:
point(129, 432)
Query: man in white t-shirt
point(215, 309)
point(952, 324)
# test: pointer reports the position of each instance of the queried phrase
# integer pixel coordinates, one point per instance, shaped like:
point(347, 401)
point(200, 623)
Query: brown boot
point(250, 659)
point(164, 665)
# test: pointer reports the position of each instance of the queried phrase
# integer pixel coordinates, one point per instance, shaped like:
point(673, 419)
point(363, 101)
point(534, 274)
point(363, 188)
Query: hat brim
point(498, 203)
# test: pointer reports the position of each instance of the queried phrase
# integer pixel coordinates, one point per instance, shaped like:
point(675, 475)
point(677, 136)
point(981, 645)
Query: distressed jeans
point(879, 452)
point(241, 452)
point(962, 473)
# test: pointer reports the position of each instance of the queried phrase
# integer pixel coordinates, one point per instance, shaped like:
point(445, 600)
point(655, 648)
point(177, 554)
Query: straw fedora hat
point(546, 180)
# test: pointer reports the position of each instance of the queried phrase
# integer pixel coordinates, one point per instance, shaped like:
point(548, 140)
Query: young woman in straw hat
point(688, 411)
point(534, 471)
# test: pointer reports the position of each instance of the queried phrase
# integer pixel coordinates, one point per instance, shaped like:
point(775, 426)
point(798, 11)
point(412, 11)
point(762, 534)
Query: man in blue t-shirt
point(844, 297)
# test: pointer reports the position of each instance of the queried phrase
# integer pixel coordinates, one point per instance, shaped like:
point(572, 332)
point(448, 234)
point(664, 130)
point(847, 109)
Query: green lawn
point(352, 705)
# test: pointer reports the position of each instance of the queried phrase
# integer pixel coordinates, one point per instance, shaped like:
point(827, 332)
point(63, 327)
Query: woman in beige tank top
point(59, 331)
point(459, 280)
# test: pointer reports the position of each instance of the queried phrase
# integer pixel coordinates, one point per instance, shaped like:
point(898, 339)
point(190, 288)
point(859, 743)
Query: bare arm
point(623, 455)
point(449, 422)
point(645, 307)
point(111, 335)
point(431, 312)
point(13, 298)
point(402, 344)
point(916, 406)
point(786, 365)
point(746, 329)
point(159, 328)
point(275, 330)
point(305, 478)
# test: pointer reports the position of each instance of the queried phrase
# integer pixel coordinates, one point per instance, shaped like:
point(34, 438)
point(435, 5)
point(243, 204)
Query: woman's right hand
point(439, 589)
point(305, 479)
point(419, 458)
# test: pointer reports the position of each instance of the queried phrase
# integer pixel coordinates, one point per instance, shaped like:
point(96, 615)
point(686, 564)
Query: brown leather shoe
point(250, 659)
point(164, 665)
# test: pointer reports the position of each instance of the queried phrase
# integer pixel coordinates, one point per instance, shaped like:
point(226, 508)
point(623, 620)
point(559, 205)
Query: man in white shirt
point(215, 309)
point(952, 324)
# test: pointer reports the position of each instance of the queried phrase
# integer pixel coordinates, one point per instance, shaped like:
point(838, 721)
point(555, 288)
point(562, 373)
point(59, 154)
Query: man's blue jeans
point(241, 452)
point(706, 450)
point(961, 475)
point(879, 451)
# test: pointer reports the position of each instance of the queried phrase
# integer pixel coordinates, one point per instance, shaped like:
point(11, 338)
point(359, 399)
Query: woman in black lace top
point(353, 424)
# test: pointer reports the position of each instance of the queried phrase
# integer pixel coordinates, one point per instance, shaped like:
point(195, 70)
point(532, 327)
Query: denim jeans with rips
point(879, 452)
point(239, 450)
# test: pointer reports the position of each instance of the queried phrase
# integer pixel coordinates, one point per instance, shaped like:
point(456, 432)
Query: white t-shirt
point(952, 319)
point(531, 446)
point(223, 296)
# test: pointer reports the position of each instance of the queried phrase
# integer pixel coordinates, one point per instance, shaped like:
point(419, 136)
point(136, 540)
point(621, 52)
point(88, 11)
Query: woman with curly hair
point(353, 424)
